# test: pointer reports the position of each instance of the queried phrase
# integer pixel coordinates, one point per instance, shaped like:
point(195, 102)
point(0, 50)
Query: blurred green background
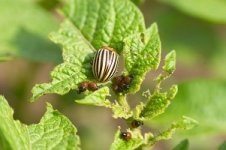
point(196, 29)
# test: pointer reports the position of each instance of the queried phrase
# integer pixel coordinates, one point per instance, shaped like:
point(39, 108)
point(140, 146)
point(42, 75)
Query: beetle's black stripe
point(96, 64)
point(114, 67)
point(108, 63)
point(104, 64)
point(111, 65)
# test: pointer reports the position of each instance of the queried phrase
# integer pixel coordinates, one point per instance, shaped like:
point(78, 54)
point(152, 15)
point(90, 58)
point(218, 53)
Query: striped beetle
point(105, 64)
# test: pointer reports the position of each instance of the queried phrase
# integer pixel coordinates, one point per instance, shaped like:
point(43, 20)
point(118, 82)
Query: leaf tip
point(183, 145)
point(188, 122)
point(172, 91)
point(153, 29)
point(154, 26)
point(49, 107)
point(170, 62)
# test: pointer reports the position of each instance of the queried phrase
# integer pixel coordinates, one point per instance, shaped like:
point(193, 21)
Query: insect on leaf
point(90, 26)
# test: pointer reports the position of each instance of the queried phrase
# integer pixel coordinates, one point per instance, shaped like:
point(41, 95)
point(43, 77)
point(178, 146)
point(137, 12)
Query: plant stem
point(123, 102)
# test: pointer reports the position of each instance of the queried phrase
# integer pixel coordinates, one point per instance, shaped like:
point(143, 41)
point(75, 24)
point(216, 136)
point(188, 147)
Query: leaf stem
point(123, 102)
point(161, 77)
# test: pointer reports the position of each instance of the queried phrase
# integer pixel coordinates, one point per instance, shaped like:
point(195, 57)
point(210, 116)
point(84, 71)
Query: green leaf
point(169, 67)
point(25, 33)
point(202, 100)
point(142, 54)
point(170, 62)
point(76, 67)
point(13, 134)
point(183, 145)
point(105, 22)
point(121, 144)
point(138, 2)
point(137, 140)
point(121, 108)
point(158, 102)
point(185, 123)
point(120, 111)
point(97, 98)
point(90, 26)
point(205, 9)
point(137, 111)
point(54, 131)
point(222, 146)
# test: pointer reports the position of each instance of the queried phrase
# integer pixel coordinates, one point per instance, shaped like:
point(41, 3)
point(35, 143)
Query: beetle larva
point(126, 135)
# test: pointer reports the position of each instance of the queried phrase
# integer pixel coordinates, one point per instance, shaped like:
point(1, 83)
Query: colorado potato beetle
point(105, 64)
